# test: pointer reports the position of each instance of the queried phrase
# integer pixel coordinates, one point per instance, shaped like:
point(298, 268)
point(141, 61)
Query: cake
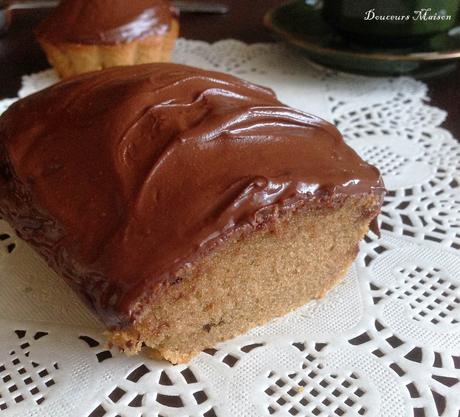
point(82, 36)
point(184, 206)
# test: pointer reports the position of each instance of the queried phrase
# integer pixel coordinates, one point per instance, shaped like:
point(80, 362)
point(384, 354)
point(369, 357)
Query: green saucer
point(303, 25)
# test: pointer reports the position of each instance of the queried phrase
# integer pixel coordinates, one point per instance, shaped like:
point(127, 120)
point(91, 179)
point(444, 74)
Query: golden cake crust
point(69, 59)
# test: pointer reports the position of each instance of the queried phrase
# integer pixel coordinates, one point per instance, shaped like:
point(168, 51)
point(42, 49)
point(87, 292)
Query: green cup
point(391, 22)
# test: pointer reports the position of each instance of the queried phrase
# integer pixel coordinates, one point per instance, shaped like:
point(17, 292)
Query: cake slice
point(184, 206)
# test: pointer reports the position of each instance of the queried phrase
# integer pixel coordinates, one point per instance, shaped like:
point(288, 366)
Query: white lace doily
point(385, 343)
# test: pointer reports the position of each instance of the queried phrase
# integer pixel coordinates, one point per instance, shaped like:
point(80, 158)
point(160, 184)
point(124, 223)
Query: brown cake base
point(252, 279)
point(70, 59)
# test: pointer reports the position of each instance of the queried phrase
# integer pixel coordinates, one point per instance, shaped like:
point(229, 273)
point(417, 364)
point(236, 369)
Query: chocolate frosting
point(106, 21)
point(122, 177)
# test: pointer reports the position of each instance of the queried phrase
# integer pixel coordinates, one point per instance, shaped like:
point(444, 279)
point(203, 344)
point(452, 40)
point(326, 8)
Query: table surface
point(20, 53)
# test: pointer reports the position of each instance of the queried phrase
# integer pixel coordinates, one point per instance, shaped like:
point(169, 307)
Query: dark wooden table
point(20, 54)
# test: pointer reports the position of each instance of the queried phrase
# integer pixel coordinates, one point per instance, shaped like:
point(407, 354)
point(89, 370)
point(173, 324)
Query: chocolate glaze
point(122, 177)
point(106, 21)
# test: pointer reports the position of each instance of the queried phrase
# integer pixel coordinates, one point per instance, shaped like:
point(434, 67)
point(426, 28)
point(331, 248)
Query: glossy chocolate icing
point(106, 21)
point(120, 178)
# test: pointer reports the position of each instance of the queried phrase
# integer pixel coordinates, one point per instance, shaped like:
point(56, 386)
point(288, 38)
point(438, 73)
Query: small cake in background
point(82, 36)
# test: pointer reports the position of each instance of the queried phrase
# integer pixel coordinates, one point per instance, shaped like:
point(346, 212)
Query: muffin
point(184, 206)
point(82, 36)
